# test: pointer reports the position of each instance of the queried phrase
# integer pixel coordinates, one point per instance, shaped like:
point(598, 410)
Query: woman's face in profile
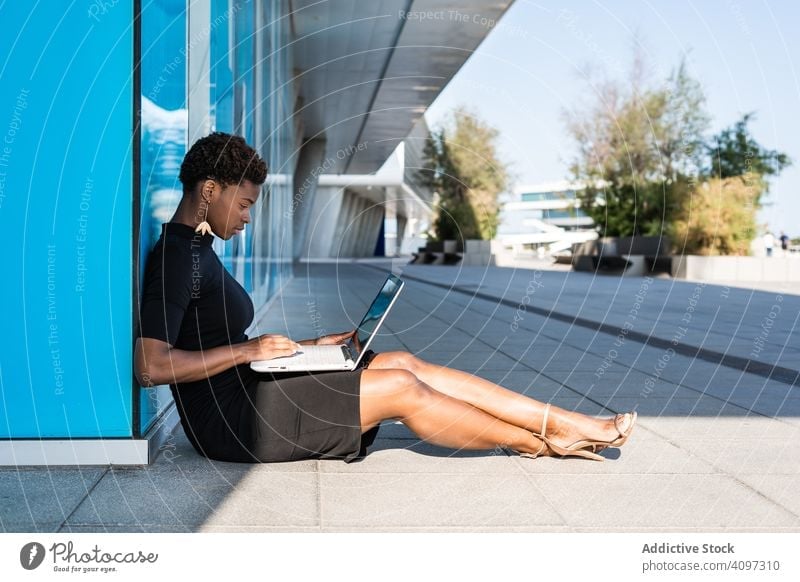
point(230, 211)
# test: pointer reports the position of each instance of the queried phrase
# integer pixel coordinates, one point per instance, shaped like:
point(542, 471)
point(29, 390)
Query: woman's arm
point(156, 362)
point(328, 340)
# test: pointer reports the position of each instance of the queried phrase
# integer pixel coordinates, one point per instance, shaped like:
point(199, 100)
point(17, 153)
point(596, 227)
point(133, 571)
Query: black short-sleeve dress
point(190, 301)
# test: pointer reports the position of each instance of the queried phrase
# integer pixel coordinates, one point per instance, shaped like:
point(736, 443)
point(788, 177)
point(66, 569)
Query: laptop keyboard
point(321, 355)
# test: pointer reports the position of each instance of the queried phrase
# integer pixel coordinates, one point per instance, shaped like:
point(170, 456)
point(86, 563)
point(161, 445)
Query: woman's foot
point(565, 428)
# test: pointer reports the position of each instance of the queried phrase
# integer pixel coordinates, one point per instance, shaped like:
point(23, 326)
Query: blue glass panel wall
point(234, 63)
point(66, 119)
point(231, 97)
point(280, 148)
point(244, 30)
point(221, 73)
point(164, 123)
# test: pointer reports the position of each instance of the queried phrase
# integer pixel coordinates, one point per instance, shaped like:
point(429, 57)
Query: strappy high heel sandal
point(579, 448)
point(537, 453)
point(542, 437)
point(623, 435)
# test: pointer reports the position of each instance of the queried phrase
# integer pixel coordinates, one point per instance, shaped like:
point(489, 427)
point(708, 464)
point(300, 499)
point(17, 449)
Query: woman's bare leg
point(436, 417)
point(563, 425)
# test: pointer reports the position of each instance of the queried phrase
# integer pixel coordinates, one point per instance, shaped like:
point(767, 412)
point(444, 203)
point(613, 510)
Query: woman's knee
point(389, 382)
point(399, 390)
point(397, 360)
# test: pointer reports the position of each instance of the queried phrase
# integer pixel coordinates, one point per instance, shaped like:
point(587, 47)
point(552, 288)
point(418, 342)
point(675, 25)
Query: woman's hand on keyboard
point(269, 346)
point(334, 338)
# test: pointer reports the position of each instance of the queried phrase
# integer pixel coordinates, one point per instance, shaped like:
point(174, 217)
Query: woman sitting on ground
point(193, 318)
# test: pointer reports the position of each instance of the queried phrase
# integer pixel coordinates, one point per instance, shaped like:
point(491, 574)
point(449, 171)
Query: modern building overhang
point(367, 71)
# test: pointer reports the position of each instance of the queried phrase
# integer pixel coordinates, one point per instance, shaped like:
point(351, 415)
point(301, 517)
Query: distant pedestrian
point(784, 238)
point(769, 242)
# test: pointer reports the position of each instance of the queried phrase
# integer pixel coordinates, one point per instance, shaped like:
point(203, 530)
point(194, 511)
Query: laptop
point(344, 356)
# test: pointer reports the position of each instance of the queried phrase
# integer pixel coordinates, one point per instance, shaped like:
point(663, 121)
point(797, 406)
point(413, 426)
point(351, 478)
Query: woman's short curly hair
point(222, 157)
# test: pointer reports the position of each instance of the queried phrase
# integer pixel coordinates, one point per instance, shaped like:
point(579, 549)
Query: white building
point(544, 218)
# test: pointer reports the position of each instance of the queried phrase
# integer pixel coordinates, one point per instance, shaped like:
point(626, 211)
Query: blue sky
point(531, 69)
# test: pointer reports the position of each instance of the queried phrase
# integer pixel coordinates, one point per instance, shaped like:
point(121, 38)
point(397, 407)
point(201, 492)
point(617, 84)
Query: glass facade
point(250, 94)
point(552, 214)
point(279, 145)
point(548, 196)
point(163, 131)
point(232, 103)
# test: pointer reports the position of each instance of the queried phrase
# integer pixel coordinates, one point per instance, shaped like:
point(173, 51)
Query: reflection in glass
point(163, 130)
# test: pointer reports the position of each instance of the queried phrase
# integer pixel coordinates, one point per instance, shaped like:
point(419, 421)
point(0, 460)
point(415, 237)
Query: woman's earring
point(204, 227)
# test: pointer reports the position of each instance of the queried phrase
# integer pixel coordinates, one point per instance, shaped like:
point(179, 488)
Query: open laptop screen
point(375, 314)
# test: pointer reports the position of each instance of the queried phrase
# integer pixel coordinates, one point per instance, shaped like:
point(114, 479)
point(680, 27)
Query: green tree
point(715, 218)
point(648, 169)
point(463, 168)
point(734, 152)
point(635, 144)
point(718, 217)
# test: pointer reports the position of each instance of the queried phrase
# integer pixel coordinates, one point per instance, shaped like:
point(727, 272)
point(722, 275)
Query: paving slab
point(177, 454)
point(648, 452)
point(236, 497)
point(411, 455)
point(440, 499)
point(676, 500)
point(40, 500)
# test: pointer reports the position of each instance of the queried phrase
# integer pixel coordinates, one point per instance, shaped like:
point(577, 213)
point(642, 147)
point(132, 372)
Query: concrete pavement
point(712, 371)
